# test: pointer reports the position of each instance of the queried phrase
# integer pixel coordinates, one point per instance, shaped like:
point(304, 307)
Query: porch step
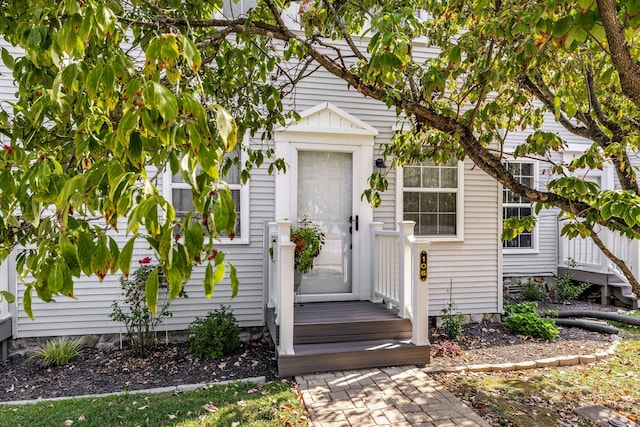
point(339, 356)
point(621, 290)
point(348, 321)
point(331, 336)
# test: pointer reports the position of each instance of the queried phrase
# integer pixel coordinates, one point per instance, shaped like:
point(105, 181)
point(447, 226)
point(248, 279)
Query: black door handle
point(351, 219)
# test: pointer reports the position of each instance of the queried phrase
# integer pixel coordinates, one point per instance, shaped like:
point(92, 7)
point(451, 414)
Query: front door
point(325, 196)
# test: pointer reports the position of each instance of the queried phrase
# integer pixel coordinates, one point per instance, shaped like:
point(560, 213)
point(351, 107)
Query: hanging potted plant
point(308, 239)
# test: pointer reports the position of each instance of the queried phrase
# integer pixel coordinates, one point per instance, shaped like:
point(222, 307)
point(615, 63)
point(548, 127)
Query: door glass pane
point(325, 196)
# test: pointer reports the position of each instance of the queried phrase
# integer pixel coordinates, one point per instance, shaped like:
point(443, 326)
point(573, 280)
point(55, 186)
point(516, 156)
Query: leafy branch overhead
point(110, 93)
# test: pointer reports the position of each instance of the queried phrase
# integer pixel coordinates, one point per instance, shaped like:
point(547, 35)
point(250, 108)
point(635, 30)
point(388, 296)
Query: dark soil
point(113, 370)
point(492, 343)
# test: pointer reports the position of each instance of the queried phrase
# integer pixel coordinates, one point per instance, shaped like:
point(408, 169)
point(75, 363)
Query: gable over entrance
point(329, 119)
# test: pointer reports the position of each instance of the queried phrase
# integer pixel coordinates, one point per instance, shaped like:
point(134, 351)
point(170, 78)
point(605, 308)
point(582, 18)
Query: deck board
point(342, 311)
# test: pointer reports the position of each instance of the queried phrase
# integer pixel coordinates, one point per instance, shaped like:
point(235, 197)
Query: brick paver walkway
point(397, 396)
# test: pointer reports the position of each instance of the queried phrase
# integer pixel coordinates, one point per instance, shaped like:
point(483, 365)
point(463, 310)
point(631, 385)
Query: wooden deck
point(347, 335)
point(613, 290)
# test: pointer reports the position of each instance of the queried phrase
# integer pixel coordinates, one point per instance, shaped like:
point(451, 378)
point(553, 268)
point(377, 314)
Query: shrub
point(58, 353)
point(565, 288)
point(534, 291)
point(524, 319)
point(138, 320)
point(452, 323)
point(214, 335)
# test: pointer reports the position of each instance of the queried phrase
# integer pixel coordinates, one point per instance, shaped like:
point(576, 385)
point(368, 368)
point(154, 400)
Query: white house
point(452, 256)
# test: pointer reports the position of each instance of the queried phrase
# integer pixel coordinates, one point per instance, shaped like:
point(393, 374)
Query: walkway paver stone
point(396, 396)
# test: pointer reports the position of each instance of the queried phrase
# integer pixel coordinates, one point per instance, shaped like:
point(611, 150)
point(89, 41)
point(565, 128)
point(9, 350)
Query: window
point(431, 197)
point(183, 202)
point(518, 207)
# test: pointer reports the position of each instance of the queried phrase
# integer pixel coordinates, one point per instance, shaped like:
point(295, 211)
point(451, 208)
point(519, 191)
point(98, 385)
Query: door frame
point(317, 131)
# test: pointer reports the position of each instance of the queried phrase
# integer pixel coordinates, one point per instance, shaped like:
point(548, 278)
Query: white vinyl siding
point(471, 266)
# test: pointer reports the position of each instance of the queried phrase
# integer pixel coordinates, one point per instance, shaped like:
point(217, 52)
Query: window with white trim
point(431, 197)
point(519, 207)
point(183, 202)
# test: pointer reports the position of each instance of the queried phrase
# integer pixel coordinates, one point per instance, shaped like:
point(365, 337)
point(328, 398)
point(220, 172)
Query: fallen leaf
point(142, 408)
point(68, 422)
point(210, 407)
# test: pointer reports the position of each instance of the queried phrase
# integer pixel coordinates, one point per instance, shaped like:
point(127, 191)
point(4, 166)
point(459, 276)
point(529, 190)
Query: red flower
point(145, 260)
point(8, 148)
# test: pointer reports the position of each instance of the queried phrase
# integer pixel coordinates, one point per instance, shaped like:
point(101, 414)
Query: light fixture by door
point(380, 164)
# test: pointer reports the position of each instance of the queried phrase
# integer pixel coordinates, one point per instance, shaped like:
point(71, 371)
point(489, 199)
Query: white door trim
point(315, 133)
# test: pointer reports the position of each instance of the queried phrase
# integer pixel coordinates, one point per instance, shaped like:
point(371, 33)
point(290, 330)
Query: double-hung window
point(431, 197)
point(183, 202)
point(514, 206)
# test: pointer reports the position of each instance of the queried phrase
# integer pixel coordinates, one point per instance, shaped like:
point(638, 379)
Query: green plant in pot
point(308, 239)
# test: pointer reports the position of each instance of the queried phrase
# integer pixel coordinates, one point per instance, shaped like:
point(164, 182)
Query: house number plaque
point(423, 265)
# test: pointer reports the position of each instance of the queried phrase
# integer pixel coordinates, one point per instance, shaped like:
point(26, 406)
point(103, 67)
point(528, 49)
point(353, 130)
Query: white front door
point(325, 197)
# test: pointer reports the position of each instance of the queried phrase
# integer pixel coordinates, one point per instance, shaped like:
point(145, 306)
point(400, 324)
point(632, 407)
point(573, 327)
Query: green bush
point(133, 311)
point(58, 353)
point(452, 323)
point(534, 291)
point(566, 290)
point(214, 335)
point(524, 319)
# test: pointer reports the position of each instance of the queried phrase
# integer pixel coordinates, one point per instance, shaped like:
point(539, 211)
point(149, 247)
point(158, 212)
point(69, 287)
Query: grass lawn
point(239, 404)
point(547, 397)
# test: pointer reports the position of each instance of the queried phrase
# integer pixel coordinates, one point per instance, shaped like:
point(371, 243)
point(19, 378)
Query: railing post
point(375, 261)
point(286, 297)
point(607, 239)
point(404, 267)
point(271, 241)
point(419, 294)
point(564, 247)
point(634, 256)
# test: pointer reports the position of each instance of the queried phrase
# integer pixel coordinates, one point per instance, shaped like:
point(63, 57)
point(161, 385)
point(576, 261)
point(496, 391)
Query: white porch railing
point(280, 282)
point(584, 254)
point(396, 262)
point(396, 275)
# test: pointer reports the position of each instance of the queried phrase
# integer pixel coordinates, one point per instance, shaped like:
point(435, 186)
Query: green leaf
point(7, 296)
point(227, 128)
point(224, 212)
point(70, 255)
point(26, 301)
point(218, 275)
point(165, 102)
point(34, 38)
point(151, 290)
point(235, 283)
point(209, 283)
point(192, 54)
point(101, 258)
point(124, 261)
point(86, 249)
point(7, 59)
point(174, 280)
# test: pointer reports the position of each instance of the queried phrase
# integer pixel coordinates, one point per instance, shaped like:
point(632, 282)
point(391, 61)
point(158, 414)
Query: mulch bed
point(114, 370)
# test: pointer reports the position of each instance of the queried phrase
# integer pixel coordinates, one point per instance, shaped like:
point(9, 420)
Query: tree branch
point(627, 68)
